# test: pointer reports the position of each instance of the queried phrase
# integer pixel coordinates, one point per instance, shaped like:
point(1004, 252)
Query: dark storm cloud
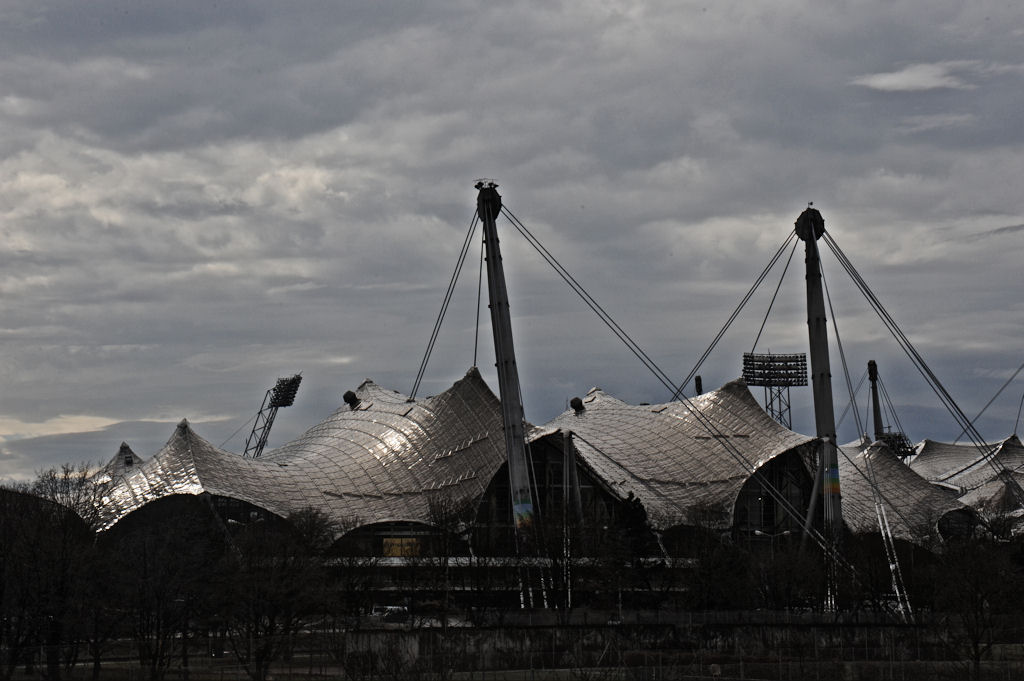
point(165, 76)
point(197, 198)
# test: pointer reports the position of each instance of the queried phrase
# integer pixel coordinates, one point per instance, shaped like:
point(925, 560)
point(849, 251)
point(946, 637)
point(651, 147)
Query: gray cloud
point(919, 77)
point(997, 232)
point(198, 198)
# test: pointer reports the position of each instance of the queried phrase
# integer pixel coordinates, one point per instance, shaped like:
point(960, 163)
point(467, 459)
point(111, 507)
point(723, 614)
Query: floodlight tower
point(777, 373)
point(281, 395)
point(810, 227)
point(513, 419)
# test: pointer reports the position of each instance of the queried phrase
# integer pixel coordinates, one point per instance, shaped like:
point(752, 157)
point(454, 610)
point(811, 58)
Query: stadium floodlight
point(777, 373)
point(281, 395)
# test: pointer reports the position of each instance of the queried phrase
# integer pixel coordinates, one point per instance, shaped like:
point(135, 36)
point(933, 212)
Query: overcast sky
point(198, 197)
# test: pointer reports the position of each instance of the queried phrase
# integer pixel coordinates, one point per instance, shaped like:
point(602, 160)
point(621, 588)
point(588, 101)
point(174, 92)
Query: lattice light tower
point(777, 374)
point(281, 395)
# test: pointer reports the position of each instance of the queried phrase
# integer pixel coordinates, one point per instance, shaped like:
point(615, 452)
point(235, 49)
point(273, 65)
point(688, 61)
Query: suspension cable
point(875, 489)
point(712, 428)
point(716, 433)
point(479, 289)
point(850, 403)
point(894, 329)
point(989, 403)
point(755, 472)
point(842, 353)
point(732, 317)
point(662, 377)
point(602, 314)
point(890, 408)
point(444, 306)
point(830, 549)
point(254, 416)
point(867, 414)
point(899, 589)
point(985, 450)
point(784, 503)
point(774, 296)
point(703, 419)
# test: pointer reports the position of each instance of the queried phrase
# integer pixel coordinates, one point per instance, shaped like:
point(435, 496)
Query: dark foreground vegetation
point(181, 590)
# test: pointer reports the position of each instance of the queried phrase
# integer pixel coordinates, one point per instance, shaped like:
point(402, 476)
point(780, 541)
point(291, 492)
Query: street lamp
point(772, 538)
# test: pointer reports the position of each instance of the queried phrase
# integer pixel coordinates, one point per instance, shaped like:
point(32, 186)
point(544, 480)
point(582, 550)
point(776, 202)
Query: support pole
point(876, 406)
point(572, 475)
point(568, 493)
point(810, 226)
point(488, 206)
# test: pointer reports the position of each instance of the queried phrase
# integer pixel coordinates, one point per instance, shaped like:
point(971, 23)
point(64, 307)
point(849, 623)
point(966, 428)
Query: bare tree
point(165, 560)
point(18, 616)
point(278, 585)
point(452, 517)
point(353, 576)
point(787, 577)
point(977, 586)
point(60, 548)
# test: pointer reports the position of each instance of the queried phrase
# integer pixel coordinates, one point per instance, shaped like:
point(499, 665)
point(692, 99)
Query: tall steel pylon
point(896, 439)
point(489, 205)
point(810, 227)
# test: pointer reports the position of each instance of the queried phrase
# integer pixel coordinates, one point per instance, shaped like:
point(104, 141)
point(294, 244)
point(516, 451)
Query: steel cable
point(989, 403)
point(890, 408)
point(706, 423)
point(444, 306)
point(849, 404)
point(602, 314)
point(253, 418)
point(842, 353)
point(732, 317)
point(985, 450)
point(479, 290)
point(774, 296)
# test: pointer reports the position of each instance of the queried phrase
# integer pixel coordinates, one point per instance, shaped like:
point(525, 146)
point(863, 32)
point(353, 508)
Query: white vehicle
point(390, 613)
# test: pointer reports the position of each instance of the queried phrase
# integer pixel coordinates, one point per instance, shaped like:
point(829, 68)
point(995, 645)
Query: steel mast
point(810, 226)
point(513, 419)
point(895, 439)
point(876, 405)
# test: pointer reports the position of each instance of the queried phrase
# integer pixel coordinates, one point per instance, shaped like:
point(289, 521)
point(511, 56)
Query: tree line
point(172, 574)
point(179, 578)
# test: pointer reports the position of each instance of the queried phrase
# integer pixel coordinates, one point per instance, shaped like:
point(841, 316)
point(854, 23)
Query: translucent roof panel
point(680, 455)
point(963, 465)
point(380, 461)
point(123, 463)
point(913, 506)
point(188, 464)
